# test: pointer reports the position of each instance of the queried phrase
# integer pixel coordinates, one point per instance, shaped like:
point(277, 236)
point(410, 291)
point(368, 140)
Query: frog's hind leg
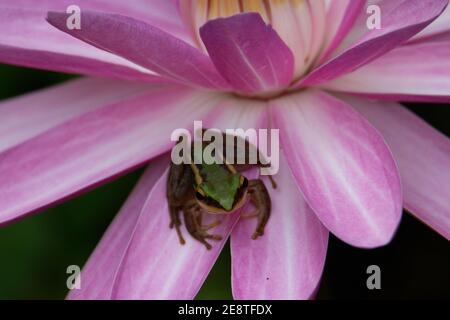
point(175, 221)
point(179, 183)
point(261, 200)
point(193, 220)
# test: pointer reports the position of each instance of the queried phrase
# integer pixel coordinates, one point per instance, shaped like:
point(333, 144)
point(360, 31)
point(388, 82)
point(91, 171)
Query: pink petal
point(27, 39)
point(440, 26)
point(444, 36)
point(409, 73)
point(160, 13)
point(400, 21)
point(97, 277)
point(341, 17)
point(27, 116)
point(343, 167)
point(237, 113)
point(93, 147)
point(301, 25)
point(319, 19)
point(156, 266)
point(248, 53)
point(423, 157)
point(144, 45)
point(287, 262)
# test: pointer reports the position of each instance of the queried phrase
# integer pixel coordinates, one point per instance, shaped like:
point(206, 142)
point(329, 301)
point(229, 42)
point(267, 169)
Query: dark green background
point(35, 252)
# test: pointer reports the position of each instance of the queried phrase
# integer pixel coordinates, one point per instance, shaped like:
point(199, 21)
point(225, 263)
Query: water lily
point(352, 157)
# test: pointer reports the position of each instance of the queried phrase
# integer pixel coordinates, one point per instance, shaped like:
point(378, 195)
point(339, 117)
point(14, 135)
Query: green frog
point(216, 188)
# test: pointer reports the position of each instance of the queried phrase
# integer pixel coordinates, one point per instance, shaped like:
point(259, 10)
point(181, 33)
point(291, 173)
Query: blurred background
point(35, 252)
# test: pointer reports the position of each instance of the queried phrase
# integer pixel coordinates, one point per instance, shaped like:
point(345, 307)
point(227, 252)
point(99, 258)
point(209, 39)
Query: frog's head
point(219, 189)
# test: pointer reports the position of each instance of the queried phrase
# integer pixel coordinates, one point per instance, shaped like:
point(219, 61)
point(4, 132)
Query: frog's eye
point(200, 193)
point(200, 196)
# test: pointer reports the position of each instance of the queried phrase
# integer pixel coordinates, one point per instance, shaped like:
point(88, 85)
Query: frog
point(195, 190)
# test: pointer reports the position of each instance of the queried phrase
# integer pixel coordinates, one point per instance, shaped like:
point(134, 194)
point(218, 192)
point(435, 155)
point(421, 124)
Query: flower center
point(300, 23)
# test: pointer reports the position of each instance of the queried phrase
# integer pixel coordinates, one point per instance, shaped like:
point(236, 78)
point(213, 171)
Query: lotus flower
point(352, 156)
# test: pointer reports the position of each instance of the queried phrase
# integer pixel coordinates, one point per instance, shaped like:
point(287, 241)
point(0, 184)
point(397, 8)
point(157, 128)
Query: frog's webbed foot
point(261, 200)
point(175, 221)
point(193, 214)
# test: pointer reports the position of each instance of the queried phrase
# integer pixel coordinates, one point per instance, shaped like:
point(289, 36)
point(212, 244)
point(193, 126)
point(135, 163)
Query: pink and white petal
point(343, 167)
point(96, 146)
point(156, 266)
point(27, 116)
point(293, 22)
point(28, 40)
point(100, 270)
point(248, 53)
point(319, 23)
point(160, 13)
point(400, 21)
point(440, 26)
point(144, 45)
point(444, 36)
point(301, 25)
point(341, 16)
point(237, 113)
point(419, 72)
point(423, 157)
point(193, 15)
point(287, 262)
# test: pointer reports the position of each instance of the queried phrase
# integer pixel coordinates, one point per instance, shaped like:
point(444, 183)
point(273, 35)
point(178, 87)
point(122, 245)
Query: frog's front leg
point(193, 214)
point(260, 198)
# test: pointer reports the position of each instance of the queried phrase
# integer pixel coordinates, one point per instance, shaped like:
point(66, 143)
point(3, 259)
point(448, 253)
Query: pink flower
point(352, 157)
